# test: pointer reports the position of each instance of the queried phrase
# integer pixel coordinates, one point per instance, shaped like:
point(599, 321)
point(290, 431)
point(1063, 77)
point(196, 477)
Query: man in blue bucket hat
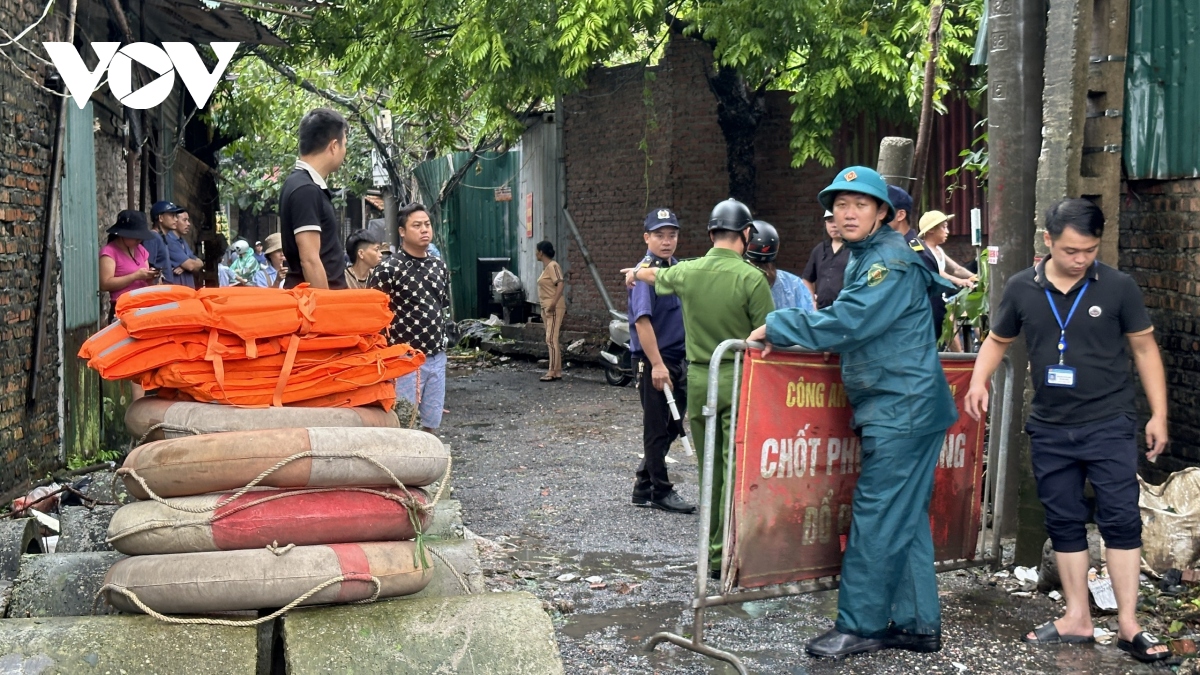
point(880, 325)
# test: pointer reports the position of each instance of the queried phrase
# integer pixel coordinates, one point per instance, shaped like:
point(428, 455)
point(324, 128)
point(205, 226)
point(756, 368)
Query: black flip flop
point(1047, 634)
point(1141, 644)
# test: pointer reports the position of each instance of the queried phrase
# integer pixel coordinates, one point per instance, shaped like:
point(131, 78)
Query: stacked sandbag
point(274, 518)
point(254, 347)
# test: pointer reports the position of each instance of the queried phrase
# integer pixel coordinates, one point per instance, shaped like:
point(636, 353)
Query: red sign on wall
point(798, 462)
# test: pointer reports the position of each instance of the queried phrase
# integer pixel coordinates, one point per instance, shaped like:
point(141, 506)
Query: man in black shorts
point(1081, 320)
point(312, 243)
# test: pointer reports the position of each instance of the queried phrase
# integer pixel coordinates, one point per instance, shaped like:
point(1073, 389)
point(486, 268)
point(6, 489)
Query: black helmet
point(730, 215)
point(764, 245)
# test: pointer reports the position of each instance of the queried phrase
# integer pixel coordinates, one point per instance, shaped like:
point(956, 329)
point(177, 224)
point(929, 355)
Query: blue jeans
point(433, 390)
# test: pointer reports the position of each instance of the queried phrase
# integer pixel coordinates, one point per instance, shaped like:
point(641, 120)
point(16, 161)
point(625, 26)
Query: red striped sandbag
point(196, 465)
point(259, 518)
point(227, 581)
point(207, 418)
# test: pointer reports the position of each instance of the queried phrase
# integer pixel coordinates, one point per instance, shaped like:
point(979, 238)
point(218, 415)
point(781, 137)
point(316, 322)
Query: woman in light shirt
point(934, 230)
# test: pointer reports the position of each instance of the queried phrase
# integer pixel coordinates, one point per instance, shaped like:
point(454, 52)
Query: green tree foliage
point(465, 71)
point(262, 109)
point(839, 58)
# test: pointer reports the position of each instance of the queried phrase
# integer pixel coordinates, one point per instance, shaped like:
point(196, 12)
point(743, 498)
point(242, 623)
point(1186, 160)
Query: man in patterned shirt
point(418, 285)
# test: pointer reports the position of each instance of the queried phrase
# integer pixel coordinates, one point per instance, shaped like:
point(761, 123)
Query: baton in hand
point(686, 437)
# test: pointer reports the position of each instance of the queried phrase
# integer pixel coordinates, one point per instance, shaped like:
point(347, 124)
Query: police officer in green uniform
point(724, 298)
point(880, 324)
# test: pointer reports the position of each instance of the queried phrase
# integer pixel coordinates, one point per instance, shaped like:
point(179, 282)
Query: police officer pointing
point(902, 408)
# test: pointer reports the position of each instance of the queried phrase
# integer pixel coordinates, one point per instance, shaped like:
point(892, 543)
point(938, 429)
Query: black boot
point(913, 642)
point(836, 644)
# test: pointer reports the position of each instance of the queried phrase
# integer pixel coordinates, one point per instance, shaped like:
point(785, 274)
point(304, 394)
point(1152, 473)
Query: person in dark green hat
point(880, 324)
point(724, 297)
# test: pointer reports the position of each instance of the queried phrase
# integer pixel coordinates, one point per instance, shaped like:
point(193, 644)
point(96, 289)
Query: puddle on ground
point(633, 623)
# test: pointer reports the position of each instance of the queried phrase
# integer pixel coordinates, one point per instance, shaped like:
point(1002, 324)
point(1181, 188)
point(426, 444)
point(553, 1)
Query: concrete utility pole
point(1016, 45)
point(1083, 102)
point(1084, 106)
point(895, 161)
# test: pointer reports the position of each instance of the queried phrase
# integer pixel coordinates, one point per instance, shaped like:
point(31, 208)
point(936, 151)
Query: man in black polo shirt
point(1081, 320)
point(826, 268)
point(308, 224)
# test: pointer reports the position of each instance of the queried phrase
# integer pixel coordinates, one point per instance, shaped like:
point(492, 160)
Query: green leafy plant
point(82, 459)
point(968, 303)
point(974, 161)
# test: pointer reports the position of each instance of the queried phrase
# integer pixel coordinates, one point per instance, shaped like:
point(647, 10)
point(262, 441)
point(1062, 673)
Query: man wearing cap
point(902, 203)
point(880, 325)
point(723, 297)
point(183, 263)
point(163, 218)
point(656, 344)
point(826, 266)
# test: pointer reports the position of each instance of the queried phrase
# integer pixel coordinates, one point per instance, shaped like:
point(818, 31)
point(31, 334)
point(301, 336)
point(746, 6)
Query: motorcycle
point(618, 369)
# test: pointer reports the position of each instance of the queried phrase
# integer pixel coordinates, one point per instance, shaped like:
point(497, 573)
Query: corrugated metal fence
point(1162, 89)
point(474, 220)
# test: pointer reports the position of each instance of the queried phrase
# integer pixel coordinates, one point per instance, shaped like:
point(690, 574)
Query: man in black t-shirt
point(312, 243)
point(1081, 320)
point(826, 268)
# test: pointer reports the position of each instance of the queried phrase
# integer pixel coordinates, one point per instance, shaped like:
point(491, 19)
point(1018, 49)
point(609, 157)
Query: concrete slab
point(61, 584)
point(123, 644)
point(489, 634)
point(450, 556)
point(17, 538)
point(447, 520)
point(84, 529)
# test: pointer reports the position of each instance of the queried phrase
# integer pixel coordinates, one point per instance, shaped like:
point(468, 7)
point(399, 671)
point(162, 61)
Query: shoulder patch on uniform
point(876, 274)
point(915, 244)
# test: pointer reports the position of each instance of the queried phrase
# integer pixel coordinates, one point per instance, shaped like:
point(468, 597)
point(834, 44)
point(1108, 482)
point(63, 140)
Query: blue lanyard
point(1062, 325)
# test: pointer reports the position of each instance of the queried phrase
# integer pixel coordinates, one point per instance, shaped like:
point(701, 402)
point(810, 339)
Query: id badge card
point(1060, 376)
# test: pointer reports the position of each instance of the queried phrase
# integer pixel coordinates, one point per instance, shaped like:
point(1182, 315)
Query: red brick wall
point(610, 188)
point(1160, 247)
point(29, 437)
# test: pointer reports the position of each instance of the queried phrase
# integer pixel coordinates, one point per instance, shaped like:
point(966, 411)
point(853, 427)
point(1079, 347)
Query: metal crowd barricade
point(988, 550)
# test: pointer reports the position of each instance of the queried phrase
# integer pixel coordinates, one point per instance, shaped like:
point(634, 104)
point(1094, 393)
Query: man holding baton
point(656, 345)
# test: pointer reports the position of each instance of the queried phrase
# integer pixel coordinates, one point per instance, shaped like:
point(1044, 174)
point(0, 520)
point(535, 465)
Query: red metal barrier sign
point(798, 462)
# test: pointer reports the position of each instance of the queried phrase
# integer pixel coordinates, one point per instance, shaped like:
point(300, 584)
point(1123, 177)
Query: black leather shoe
point(913, 642)
point(641, 498)
point(672, 502)
point(835, 645)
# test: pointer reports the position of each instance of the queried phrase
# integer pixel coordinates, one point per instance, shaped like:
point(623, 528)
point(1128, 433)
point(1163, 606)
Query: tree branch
point(347, 102)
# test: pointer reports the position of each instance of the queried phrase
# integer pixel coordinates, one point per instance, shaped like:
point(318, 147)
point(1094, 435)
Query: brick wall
point(29, 436)
point(1160, 247)
point(610, 186)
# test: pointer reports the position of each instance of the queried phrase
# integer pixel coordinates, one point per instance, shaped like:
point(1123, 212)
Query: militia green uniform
point(724, 298)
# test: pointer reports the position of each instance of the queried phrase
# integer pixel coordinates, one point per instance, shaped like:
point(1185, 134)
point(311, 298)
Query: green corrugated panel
point(471, 224)
point(81, 247)
point(1162, 89)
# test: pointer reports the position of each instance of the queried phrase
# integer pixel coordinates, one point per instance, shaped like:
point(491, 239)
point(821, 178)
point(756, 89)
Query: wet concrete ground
point(544, 470)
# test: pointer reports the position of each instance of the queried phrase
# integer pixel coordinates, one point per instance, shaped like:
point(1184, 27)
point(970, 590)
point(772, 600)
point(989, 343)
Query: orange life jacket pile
point(254, 347)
